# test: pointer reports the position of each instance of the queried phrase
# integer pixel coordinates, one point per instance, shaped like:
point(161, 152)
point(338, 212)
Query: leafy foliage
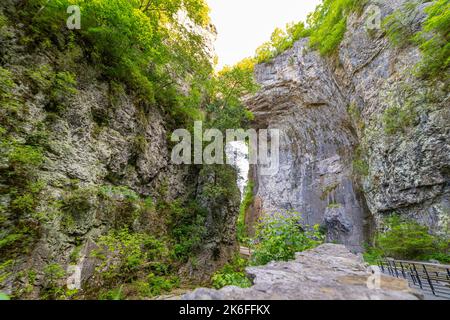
point(130, 256)
point(328, 23)
point(232, 274)
point(53, 275)
point(138, 42)
point(4, 296)
point(280, 236)
point(187, 225)
point(360, 165)
point(407, 239)
point(245, 204)
point(399, 26)
point(225, 90)
point(280, 41)
point(397, 118)
point(325, 28)
point(434, 41)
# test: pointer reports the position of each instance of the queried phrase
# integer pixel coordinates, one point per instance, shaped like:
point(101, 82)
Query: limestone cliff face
point(338, 164)
point(104, 147)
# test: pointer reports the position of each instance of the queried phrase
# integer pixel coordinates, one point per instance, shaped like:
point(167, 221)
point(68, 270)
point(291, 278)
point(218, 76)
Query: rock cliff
point(104, 164)
point(339, 163)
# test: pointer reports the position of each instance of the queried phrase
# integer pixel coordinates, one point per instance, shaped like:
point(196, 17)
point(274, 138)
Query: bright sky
point(243, 25)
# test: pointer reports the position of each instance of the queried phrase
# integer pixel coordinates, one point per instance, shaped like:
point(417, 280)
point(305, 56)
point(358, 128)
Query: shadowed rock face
point(330, 112)
point(328, 272)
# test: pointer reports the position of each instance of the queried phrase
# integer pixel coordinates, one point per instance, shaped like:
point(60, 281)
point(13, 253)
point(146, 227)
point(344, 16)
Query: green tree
point(224, 106)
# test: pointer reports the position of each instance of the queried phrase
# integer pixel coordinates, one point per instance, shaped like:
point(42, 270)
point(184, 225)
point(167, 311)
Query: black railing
point(430, 277)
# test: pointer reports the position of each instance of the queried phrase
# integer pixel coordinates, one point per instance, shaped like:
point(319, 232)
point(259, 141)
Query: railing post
point(403, 270)
point(380, 264)
point(391, 270)
point(395, 268)
point(429, 280)
point(417, 275)
point(413, 277)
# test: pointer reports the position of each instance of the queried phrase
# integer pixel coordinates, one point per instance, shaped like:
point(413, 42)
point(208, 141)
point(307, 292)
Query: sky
point(243, 25)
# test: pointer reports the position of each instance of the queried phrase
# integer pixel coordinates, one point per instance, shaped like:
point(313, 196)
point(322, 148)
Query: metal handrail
point(429, 277)
point(439, 265)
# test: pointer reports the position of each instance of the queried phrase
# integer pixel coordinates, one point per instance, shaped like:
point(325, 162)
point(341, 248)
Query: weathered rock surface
point(302, 99)
point(328, 272)
point(408, 171)
point(104, 137)
point(338, 164)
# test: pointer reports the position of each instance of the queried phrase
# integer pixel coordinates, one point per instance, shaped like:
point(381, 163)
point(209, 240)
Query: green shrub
point(280, 236)
point(75, 254)
point(143, 46)
point(187, 224)
point(328, 23)
point(280, 41)
point(20, 228)
point(126, 254)
point(156, 285)
point(54, 275)
point(6, 83)
point(42, 77)
point(10, 239)
point(23, 157)
point(399, 118)
point(326, 28)
point(3, 21)
point(399, 25)
point(372, 254)
point(434, 41)
point(114, 294)
point(406, 239)
point(232, 274)
point(360, 165)
point(245, 204)
point(4, 296)
point(58, 86)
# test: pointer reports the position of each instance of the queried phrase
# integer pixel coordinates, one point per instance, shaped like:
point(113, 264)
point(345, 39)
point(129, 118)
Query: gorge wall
point(339, 163)
point(83, 157)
